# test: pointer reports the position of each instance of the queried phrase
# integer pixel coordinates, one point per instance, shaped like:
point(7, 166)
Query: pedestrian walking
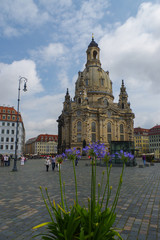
point(2, 161)
point(144, 159)
point(22, 160)
point(47, 163)
point(5, 160)
point(53, 161)
point(9, 160)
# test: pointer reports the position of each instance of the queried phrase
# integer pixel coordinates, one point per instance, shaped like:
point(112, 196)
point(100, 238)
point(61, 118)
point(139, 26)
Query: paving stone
point(142, 237)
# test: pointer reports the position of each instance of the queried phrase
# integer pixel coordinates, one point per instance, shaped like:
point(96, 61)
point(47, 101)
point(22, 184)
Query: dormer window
point(102, 81)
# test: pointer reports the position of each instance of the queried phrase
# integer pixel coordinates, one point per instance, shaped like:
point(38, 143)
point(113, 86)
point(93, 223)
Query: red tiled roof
point(140, 130)
point(9, 113)
point(47, 138)
point(155, 130)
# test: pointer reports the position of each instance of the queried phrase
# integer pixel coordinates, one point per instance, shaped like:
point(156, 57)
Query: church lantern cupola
point(93, 54)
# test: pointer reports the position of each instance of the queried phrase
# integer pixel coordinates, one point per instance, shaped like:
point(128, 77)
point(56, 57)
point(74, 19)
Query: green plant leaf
point(41, 225)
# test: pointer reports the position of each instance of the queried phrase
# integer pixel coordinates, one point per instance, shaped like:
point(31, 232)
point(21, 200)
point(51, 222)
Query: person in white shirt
point(6, 160)
point(22, 160)
point(47, 163)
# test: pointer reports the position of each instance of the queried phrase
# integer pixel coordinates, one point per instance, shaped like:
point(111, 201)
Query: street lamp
point(16, 142)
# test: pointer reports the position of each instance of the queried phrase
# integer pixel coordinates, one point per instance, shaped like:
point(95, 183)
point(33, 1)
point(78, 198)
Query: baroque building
point(93, 115)
point(43, 144)
point(8, 123)
point(141, 140)
point(154, 141)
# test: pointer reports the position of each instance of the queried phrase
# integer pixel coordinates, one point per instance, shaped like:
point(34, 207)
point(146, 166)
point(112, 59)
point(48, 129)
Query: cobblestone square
point(22, 207)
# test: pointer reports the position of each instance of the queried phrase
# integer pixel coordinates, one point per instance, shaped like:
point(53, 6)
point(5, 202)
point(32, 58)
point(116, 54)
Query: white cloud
point(63, 79)
point(10, 74)
point(49, 54)
point(132, 53)
point(17, 16)
point(53, 5)
point(47, 126)
point(85, 19)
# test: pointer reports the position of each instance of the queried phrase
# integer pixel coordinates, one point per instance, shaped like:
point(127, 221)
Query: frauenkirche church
point(92, 116)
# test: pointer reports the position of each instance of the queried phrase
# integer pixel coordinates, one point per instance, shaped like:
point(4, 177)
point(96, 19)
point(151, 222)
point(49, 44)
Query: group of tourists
point(51, 161)
point(5, 160)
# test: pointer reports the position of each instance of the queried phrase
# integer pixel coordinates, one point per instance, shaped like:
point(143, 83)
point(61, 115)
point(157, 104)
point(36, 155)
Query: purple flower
point(97, 150)
point(72, 153)
point(60, 157)
point(124, 156)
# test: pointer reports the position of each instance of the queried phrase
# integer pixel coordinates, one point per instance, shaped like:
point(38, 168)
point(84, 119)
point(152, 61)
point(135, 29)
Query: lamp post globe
point(17, 120)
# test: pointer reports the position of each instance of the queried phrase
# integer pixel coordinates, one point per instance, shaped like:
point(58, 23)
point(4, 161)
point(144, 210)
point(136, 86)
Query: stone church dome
point(92, 115)
point(94, 78)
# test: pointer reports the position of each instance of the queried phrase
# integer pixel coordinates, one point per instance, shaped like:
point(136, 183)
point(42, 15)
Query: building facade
point(43, 144)
point(154, 141)
point(92, 115)
point(141, 140)
point(8, 121)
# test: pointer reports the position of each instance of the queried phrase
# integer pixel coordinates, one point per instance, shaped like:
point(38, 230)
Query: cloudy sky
point(45, 41)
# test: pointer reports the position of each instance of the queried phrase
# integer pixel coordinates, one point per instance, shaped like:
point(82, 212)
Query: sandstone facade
point(92, 115)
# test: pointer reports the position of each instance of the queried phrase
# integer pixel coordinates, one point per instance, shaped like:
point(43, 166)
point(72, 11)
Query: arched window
point(79, 126)
point(95, 54)
point(109, 127)
point(121, 128)
point(79, 100)
point(79, 129)
point(109, 132)
point(109, 137)
point(121, 132)
point(122, 105)
point(93, 127)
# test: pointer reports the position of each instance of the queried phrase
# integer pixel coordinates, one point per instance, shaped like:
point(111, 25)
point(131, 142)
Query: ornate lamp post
point(16, 142)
